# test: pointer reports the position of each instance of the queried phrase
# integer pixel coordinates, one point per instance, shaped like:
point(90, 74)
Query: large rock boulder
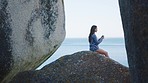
point(30, 32)
point(134, 15)
point(80, 67)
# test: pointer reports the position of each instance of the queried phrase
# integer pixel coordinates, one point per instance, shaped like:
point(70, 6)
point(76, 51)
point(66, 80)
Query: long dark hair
point(92, 31)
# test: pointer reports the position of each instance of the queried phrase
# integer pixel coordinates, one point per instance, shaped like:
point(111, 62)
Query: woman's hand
point(102, 36)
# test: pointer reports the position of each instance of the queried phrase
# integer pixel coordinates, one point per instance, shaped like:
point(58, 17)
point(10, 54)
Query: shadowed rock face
point(30, 32)
point(134, 15)
point(80, 67)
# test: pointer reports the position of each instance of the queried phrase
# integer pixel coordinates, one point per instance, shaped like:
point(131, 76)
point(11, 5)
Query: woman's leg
point(101, 51)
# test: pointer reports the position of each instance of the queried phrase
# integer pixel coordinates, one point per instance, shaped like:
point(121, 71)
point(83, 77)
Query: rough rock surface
point(134, 15)
point(30, 32)
point(80, 67)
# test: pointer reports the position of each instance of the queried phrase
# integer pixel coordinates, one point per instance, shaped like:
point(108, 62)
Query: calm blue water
point(114, 46)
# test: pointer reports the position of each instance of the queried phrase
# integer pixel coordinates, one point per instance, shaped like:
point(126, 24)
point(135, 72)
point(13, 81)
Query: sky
point(82, 14)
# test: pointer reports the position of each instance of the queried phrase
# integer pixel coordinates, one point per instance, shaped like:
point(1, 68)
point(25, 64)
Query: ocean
point(114, 46)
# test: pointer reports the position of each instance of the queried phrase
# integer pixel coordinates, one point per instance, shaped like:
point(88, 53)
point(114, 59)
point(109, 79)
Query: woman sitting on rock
point(94, 42)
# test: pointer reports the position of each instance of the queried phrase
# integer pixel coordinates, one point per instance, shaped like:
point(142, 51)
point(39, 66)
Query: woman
point(94, 42)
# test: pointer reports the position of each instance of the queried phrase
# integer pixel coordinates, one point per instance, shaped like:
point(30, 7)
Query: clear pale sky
point(82, 14)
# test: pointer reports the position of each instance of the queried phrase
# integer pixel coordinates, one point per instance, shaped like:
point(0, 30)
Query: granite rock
point(80, 67)
point(134, 15)
point(30, 32)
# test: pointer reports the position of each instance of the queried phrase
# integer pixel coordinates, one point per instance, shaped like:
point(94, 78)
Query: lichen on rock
point(30, 32)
